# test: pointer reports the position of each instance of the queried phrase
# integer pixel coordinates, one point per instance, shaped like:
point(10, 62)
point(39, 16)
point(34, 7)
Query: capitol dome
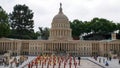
point(60, 17)
point(60, 27)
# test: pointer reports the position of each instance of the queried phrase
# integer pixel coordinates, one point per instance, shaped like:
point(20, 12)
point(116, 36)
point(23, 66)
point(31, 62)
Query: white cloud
point(45, 10)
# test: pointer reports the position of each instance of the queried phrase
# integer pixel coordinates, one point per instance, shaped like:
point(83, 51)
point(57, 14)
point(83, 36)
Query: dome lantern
point(60, 9)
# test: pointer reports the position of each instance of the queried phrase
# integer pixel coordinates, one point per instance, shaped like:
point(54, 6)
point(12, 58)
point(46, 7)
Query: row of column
point(60, 47)
point(61, 32)
point(60, 25)
point(8, 45)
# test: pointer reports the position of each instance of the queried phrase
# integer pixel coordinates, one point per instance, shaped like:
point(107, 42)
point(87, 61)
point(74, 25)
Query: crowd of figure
point(54, 61)
point(104, 60)
point(49, 61)
point(18, 61)
point(12, 61)
point(4, 61)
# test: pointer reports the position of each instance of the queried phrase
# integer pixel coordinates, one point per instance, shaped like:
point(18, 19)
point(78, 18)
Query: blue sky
point(85, 10)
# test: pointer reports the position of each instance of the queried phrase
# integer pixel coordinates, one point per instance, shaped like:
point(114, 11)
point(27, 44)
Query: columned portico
point(60, 34)
point(60, 47)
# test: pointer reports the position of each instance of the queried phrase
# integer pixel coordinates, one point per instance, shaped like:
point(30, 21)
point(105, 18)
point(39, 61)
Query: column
point(58, 46)
point(65, 46)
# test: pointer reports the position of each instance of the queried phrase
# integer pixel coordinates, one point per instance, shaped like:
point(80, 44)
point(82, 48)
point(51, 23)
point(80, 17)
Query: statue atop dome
point(60, 4)
point(60, 9)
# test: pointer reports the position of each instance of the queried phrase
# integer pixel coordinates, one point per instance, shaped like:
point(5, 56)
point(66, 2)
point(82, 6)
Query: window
point(84, 48)
point(36, 48)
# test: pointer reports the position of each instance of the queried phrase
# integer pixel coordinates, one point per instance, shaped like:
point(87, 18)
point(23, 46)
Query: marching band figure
point(64, 64)
point(70, 64)
point(42, 64)
point(29, 65)
point(54, 64)
point(36, 64)
point(32, 64)
point(75, 64)
point(48, 64)
point(59, 64)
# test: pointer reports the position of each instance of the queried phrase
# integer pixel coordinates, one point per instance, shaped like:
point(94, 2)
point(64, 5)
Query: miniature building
point(60, 42)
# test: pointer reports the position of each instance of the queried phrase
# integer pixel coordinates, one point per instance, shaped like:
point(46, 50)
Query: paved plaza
point(113, 63)
point(85, 62)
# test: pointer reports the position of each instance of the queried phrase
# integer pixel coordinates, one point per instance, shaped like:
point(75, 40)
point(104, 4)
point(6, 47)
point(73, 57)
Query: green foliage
point(97, 26)
point(22, 22)
point(100, 25)
point(44, 33)
point(118, 27)
point(77, 28)
point(87, 28)
point(4, 25)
